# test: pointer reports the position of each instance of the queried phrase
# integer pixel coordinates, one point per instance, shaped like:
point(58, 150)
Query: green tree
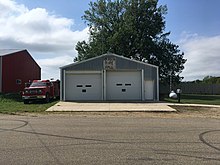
point(134, 29)
point(211, 80)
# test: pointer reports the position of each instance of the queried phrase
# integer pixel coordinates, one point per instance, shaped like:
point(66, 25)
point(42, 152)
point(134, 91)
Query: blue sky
point(50, 29)
point(192, 16)
point(72, 9)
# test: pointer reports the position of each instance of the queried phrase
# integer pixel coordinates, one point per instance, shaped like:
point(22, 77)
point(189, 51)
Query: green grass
point(197, 99)
point(12, 103)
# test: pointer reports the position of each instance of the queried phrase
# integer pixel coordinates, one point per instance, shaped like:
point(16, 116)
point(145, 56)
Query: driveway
point(110, 107)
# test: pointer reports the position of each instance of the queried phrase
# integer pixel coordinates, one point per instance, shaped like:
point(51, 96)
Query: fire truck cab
point(41, 90)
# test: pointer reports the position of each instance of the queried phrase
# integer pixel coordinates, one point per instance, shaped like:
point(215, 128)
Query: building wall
point(121, 64)
point(19, 66)
point(0, 74)
point(96, 64)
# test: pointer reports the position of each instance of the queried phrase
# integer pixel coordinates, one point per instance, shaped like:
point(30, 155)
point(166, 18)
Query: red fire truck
point(41, 90)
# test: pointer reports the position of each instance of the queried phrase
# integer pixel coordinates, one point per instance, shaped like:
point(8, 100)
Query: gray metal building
point(109, 77)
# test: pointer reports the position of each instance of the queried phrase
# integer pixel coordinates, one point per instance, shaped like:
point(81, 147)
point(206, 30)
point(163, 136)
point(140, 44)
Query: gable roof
point(108, 54)
point(4, 52)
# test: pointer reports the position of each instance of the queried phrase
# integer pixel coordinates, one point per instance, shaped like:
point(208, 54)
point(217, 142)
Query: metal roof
point(108, 54)
point(4, 52)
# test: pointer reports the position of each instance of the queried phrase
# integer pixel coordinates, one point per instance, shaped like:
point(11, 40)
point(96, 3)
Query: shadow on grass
point(201, 97)
point(11, 97)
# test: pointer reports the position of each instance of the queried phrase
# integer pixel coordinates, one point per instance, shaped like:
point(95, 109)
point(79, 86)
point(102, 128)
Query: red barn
point(16, 68)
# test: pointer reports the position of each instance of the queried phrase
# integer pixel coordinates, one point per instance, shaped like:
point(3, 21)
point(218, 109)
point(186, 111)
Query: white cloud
point(46, 36)
point(50, 66)
point(9, 8)
point(202, 54)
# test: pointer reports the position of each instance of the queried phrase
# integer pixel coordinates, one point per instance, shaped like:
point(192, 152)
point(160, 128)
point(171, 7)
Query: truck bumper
point(33, 97)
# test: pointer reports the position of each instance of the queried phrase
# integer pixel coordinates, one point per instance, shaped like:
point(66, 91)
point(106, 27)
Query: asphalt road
point(66, 139)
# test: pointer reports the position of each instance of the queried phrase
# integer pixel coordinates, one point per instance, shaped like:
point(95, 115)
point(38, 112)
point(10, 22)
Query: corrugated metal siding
point(150, 71)
point(121, 63)
point(89, 65)
point(62, 84)
point(0, 74)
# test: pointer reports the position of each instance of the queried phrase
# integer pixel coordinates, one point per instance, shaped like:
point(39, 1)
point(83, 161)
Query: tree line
point(206, 80)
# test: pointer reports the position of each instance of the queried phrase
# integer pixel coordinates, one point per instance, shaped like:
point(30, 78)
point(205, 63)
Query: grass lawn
point(197, 99)
point(12, 103)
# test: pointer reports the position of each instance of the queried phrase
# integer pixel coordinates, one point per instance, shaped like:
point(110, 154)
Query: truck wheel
point(26, 101)
point(47, 99)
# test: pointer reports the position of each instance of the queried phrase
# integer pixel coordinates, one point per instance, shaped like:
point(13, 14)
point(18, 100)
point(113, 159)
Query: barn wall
point(18, 66)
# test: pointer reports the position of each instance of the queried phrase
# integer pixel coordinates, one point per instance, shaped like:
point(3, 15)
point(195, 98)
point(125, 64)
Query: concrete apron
point(110, 107)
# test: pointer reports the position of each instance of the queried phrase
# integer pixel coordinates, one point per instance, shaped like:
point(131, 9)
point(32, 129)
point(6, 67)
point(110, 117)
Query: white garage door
point(122, 85)
point(83, 87)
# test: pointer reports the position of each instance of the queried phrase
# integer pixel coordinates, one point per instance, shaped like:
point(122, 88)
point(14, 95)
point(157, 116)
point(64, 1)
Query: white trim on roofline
point(108, 54)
